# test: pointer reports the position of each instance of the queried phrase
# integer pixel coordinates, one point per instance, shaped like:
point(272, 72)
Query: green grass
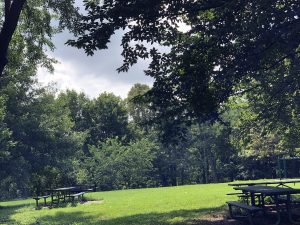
point(155, 206)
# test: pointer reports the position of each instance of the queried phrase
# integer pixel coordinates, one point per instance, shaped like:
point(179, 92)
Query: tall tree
point(233, 42)
point(138, 104)
point(34, 19)
point(12, 10)
point(30, 136)
point(79, 105)
point(109, 119)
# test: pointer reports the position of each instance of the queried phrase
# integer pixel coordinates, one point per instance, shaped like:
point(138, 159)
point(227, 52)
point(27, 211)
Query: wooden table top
point(267, 190)
point(280, 182)
point(62, 189)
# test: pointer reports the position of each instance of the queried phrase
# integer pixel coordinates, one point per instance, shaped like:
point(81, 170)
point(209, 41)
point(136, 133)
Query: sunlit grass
point(157, 206)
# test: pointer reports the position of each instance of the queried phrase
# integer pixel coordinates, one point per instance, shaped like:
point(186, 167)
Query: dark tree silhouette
point(12, 13)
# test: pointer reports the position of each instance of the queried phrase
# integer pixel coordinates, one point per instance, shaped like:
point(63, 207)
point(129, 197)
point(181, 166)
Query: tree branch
point(12, 14)
point(7, 8)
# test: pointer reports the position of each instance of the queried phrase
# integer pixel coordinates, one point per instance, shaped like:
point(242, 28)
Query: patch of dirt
point(96, 202)
point(214, 219)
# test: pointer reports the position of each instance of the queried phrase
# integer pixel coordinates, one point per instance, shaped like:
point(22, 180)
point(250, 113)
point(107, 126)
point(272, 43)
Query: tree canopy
point(232, 47)
point(238, 61)
point(33, 21)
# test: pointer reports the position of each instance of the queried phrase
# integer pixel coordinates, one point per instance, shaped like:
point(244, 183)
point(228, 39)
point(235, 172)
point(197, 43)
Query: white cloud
point(68, 75)
point(92, 75)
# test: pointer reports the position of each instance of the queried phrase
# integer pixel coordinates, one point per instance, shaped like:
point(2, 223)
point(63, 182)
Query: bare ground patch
point(93, 202)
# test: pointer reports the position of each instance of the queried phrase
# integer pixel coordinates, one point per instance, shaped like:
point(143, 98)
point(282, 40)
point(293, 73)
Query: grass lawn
point(192, 204)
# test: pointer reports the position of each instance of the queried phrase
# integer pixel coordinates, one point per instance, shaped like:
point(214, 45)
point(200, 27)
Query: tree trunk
point(173, 171)
point(12, 13)
point(205, 166)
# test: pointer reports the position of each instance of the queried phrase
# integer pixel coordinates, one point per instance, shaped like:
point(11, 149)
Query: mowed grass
point(153, 206)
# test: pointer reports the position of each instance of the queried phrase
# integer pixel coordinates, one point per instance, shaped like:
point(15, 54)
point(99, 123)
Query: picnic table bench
point(79, 195)
point(37, 198)
point(249, 209)
point(283, 199)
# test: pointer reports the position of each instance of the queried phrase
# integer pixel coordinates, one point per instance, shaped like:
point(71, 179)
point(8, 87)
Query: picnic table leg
point(36, 203)
point(250, 219)
point(263, 204)
point(252, 196)
point(262, 201)
point(73, 199)
point(277, 210)
point(51, 199)
point(230, 211)
point(289, 210)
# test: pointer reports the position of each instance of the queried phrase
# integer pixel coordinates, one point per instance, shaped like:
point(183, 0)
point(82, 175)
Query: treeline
point(51, 139)
point(224, 104)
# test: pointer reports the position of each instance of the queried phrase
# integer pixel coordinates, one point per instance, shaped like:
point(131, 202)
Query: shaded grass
point(184, 205)
point(173, 217)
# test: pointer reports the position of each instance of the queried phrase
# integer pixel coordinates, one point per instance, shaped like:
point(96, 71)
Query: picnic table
point(281, 197)
point(275, 193)
point(60, 194)
point(278, 182)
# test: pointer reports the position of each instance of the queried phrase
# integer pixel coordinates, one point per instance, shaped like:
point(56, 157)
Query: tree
point(12, 13)
point(34, 18)
point(230, 42)
point(5, 141)
point(139, 105)
point(210, 152)
point(256, 135)
point(79, 105)
point(114, 165)
point(40, 132)
point(108, 119)
point(45, 143)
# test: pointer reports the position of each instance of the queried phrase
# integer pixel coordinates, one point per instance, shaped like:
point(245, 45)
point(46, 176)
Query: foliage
point(254, 134)
point(45, 143)
point(117, 166)
point(236, 67)
point(79, 105)
point(35, 27)
point(210, 153)
point(39, 127)
point(137, 104)
point(231, 47)
point(109, 118)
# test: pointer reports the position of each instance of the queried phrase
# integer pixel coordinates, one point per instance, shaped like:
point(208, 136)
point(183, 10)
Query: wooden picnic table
point(279, 183)
point(58, 194)
point(274, 193)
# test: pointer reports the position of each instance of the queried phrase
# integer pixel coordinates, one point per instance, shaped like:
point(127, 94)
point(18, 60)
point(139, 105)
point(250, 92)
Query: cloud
point(92, 75)
point(68, 76)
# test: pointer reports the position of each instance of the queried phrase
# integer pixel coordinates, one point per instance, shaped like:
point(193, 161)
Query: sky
point(95, 74)
point(92, 74)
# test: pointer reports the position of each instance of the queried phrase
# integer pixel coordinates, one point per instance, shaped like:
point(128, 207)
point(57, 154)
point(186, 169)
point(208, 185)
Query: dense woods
point(50, 139)
point(224, 104)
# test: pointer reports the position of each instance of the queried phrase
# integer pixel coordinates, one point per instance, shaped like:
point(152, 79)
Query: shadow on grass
point(178, 217)
point(7, 211)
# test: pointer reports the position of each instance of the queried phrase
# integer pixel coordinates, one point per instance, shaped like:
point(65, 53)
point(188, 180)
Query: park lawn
point(156, 206)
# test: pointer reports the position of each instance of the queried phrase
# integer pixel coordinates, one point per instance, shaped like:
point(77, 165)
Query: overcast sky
point(92, 74)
